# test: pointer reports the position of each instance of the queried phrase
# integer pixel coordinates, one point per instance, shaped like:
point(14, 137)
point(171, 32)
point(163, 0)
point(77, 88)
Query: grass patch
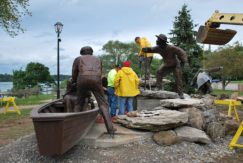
point(236, 82)
point(32, 100)
point(14, 126)
point(228, 92)
point(14, 117)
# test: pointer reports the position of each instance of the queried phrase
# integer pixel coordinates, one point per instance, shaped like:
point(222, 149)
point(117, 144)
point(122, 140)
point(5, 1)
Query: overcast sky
point(95, 22)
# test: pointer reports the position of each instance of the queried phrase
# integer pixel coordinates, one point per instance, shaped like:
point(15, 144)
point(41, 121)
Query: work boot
point(212, 94)
point(181, 96)
point(115, 117)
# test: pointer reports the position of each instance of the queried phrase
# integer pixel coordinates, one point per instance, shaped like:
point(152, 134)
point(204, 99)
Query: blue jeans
point(123, 101)
point(113, 101)
point(107, 98)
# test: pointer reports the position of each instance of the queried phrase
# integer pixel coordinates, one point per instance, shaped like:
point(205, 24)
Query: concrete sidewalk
point(19, 107)
point(98, 137)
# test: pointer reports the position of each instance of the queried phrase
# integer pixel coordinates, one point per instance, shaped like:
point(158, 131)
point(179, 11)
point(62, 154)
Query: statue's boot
point(210, 89)
point(181, 96)
point(200, 91)
point(109, 126)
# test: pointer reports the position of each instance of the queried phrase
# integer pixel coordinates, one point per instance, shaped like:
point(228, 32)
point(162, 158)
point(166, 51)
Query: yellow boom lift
point(208, 34)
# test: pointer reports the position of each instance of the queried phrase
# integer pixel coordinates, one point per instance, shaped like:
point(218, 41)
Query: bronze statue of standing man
point(87, 72)
point(171, 62)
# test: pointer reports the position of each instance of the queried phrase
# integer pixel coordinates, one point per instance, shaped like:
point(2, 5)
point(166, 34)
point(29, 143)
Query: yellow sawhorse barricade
point(236, 137)
point(231, 104)
point(10, 99)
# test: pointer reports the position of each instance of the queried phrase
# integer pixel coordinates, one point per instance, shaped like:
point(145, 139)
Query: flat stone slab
point(98, 136)
point(191, 134)
point(152, 82)
point(166, 120)
point(159, 94)
point(182, 103)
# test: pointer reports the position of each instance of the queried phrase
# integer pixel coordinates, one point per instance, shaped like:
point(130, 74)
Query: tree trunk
point(223, 84)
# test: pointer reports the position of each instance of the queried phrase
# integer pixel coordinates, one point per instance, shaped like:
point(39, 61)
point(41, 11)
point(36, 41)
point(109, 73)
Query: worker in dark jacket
point(204, 80)
point(87, 74)
point(171, 62)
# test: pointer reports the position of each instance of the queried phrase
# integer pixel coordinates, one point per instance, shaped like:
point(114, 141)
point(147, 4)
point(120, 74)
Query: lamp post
point(58, 28)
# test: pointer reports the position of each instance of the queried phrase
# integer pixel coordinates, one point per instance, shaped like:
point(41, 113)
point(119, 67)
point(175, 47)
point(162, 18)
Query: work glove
point(193, 85)
point(186, 65)
point(145, 49)
point(221, 68)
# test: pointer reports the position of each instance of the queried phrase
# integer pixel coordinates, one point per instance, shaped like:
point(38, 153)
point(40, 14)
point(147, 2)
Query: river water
point(4, 86)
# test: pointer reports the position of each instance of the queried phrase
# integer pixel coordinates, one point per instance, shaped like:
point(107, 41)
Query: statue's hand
point(145, 49)
point(186, 65)
point(221, 68)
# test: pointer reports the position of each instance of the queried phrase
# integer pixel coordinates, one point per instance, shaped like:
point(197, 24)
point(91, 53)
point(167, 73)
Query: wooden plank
point(49, 137)
point(50, 110)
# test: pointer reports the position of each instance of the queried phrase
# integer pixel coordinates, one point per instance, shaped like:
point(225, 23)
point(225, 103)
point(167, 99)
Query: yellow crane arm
point(208, 34)
point(224, 18)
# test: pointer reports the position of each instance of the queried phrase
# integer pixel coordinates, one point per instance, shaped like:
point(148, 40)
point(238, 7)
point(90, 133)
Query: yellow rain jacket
point(144, 43)
point(126, 83)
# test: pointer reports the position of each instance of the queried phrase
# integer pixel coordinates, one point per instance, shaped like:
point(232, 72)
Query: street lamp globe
point(58, 27)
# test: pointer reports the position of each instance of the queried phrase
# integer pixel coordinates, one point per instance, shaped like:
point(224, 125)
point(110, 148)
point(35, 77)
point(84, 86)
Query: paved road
point(229, 86)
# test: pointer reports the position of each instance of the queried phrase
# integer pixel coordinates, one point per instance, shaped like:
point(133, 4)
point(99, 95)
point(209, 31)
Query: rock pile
point(152, 81)
point(187, 119)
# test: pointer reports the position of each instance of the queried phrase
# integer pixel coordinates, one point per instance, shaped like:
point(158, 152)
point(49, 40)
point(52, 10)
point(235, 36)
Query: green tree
point(229, 57)
point(183, 36)
point(34, 74)
point(5, 77)
point(10, 13)
point(61, 77)
point(124, 52)
point(19, 79)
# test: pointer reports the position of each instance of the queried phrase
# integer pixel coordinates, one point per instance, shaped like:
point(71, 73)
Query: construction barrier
point(236, 137)
point(231, 104)
point(10, 99)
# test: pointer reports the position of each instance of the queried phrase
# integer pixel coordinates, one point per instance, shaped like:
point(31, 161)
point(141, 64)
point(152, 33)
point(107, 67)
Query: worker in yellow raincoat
point(143, 42)
point(126, 87)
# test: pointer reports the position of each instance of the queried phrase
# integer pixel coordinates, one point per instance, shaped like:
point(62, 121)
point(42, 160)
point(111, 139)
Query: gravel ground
point(25, 150)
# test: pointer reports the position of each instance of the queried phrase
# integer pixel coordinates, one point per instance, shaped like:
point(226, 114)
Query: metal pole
point(58, 87)
point(145, 69)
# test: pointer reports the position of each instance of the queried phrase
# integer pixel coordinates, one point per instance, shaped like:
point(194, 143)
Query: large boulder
point(191, 134)
point(208, 103)
point(143, 77)
point(224, 117)
point(211, 116)
point(215, 131)
point(224, 96)
point(231, 127)
point(160, 94)
point(234, 96)
point(195, 119)
point(178, 103)
point(168, 119)
point(166, 138)
point(152, 82)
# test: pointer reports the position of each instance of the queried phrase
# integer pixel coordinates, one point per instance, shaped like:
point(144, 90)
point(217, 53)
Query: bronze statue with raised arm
point(171, 62)
point(87, 73)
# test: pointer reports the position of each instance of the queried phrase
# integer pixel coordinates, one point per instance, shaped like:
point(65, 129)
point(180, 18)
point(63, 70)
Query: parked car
point(215, 80)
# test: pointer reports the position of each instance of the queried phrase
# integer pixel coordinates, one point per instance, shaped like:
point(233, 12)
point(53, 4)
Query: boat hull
point(56, 133)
